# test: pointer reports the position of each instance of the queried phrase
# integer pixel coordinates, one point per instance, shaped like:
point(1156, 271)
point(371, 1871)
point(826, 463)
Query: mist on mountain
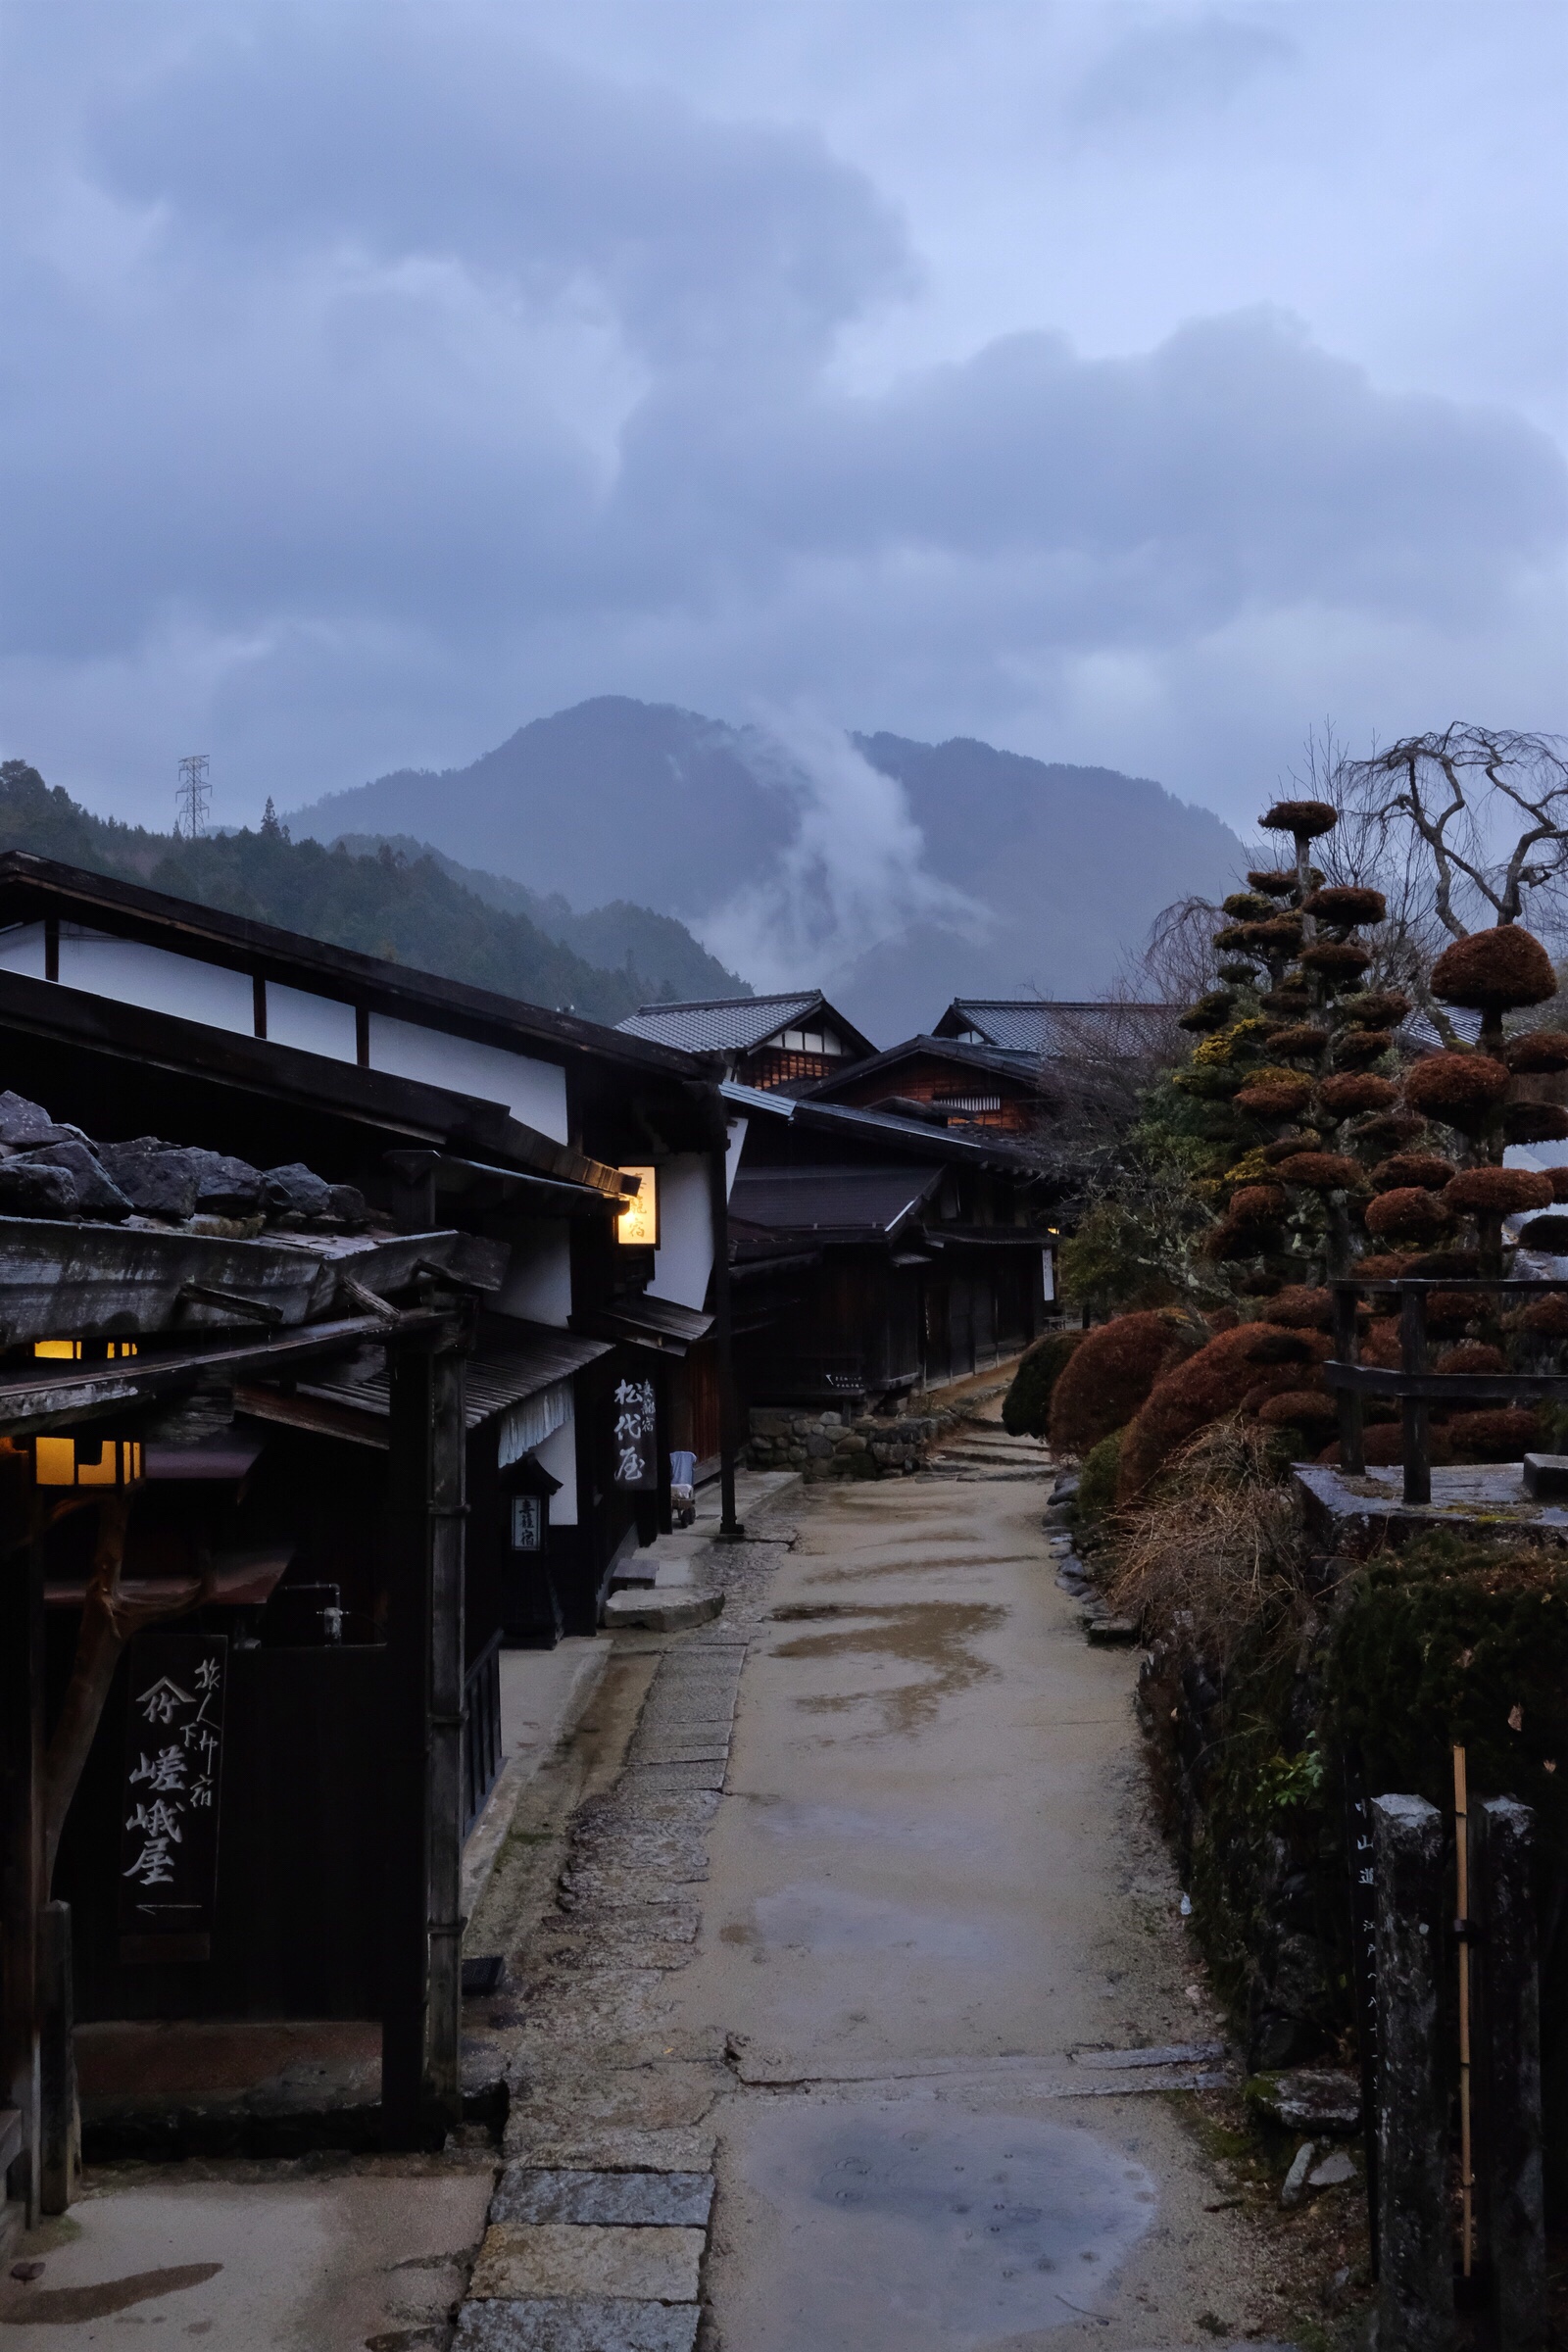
point(892, 873)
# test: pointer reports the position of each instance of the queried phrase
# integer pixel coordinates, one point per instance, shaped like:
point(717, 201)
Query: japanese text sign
point(169, 1816)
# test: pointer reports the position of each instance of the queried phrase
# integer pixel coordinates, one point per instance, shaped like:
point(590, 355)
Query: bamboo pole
point(1462, 1843)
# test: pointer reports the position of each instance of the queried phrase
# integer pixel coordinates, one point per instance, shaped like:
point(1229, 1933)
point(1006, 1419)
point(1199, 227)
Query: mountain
point(411, 908)
point(895, 874)
point(612, 938)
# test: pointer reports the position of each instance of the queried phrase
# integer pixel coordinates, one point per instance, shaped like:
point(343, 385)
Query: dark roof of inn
point(514, 1359)
point(1021, 1069)
point(1042, 1025)
point(32, 887)
point(738, 1024)
point(871, 1201)
point(848, 1122)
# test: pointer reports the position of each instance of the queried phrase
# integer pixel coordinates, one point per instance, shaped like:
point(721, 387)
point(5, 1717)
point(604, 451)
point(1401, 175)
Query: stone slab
point(678, 1776)
point(633, 2201)
point(566, 2258)
point(612, 2147)
point(668, 1750)
point(579, 2323)
point(649, 1614)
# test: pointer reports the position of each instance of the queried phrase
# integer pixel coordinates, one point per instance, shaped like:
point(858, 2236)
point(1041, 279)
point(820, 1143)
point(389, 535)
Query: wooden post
point(730, 1527)
point(448, 1512)
point(1417, 1431)
point(20, 1856)
point(421, 1965)
point(1415, 2285)
point(1461, 1857)
point(60, 2115)
point(1509, 2064)
point(1353, 1439)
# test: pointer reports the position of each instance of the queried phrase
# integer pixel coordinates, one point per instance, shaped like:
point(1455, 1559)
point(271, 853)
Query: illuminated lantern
point(637, 1226)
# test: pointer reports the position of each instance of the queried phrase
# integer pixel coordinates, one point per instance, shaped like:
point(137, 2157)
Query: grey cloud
point(438, 382)
point(1163, 68)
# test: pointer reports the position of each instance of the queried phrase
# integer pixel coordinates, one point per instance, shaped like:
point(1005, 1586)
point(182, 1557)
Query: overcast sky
point(1136, 384)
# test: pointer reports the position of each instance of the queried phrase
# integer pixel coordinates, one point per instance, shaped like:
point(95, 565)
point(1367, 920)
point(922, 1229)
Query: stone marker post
point(1415, 2285)
point(1509, 2055)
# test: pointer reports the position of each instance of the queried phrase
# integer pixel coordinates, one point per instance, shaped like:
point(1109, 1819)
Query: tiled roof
point(1053, 1025)
point(720, 1024)
point(830, 1199)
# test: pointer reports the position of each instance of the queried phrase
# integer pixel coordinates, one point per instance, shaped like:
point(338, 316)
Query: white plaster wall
point(534, 1091)
point(538, 1277)
point(21, 950)
point(315, 1024)
point(559, 1456)
point(735, 1143)
point(684, 1258)
point(130, 974)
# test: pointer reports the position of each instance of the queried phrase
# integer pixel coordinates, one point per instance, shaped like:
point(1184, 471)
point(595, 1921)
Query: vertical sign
point(1364, 1937)
point(636, 1457)
point(168, 1816)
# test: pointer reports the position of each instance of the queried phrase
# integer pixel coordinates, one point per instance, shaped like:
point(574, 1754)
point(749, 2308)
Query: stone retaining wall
point(828, 1444)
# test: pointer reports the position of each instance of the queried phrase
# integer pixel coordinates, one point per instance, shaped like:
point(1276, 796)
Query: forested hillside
point(383, 904)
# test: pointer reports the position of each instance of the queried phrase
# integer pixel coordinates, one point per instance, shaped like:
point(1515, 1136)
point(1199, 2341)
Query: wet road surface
point(931, 1882)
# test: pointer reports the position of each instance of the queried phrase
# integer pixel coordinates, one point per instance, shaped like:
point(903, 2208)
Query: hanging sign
point(168, 1815)
point(636, 1453)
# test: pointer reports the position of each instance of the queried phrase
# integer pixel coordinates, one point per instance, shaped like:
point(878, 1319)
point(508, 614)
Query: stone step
point(651, 1611)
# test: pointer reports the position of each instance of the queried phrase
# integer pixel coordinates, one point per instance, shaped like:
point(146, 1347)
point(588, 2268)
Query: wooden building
point(764, 1042)
point(1047, 1029)
point(875, 1254)
point(126, 1011)
point(957, 1086)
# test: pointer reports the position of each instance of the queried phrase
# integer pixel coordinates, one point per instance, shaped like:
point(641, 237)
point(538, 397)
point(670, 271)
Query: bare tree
point(1482, 812)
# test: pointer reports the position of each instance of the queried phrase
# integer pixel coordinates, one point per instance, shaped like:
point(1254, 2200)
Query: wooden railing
point(482, 1731)
point(1416, 1387)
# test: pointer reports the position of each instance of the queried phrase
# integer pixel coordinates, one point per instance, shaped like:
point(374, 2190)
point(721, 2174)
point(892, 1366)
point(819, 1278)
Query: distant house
point(1056, 1028)
point(767, 1042)
point(874, 1254)
point(948, 1084)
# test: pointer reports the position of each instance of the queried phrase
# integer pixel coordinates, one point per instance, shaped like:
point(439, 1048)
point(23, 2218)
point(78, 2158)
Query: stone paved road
point(837, 1951)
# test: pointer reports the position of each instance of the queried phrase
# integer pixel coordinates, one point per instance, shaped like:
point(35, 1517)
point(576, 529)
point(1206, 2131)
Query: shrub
point(1026, 1407)
point(1356, 1045)
point(1336, 959)
point(1499, 1434)
point(1408, 1214)
point(1534, 1052)
point(1492, 971)
point(1109, 1375)
point(1549, 1234)
point(1290, 1002)
point(1547, 1318)
point(1260, 1204)
point(1319, 1171)
point(1460, 1089)
point(1377, 1008)
point(1097, 1478)
point(1534, 1123)
point(1218, 1547)
point(1424, 1169)
point(1343, 1098)
point(1498, 1192)
point(1299, 1408)
point(1307, 819)
point(1209, 1386)
point(1303, 1307)
point(1274, 1097)
point(1470, 1356)
point(1346, 905)
point(1298, 1040)
point(1276, 882)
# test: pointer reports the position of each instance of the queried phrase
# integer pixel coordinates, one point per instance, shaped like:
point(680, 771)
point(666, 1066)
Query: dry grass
point(1215, 1547)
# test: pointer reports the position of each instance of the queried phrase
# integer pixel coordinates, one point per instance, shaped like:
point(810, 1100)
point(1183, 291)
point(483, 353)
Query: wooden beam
point(22, 1681)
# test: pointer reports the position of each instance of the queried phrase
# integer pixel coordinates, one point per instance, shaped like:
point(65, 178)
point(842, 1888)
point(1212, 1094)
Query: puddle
point(822, 1919)
point(935, 1635)
point(905, 2235)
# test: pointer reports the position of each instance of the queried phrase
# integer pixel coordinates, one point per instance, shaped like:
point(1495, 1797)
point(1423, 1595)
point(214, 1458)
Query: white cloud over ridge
point(379, 377)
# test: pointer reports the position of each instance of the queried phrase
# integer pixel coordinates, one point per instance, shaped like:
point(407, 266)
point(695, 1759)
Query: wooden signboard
point(636, 1435)
point(172, 1785)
